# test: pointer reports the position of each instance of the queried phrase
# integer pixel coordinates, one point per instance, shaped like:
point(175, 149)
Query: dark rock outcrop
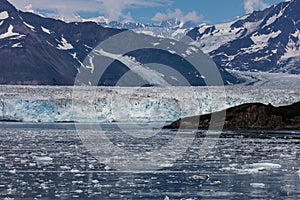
point(252, 116)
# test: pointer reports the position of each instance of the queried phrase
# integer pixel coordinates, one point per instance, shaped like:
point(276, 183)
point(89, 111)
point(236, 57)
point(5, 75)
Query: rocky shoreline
point(252, 116)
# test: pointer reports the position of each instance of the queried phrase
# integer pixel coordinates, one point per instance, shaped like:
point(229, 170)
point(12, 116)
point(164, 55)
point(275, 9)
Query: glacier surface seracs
point(119, 104)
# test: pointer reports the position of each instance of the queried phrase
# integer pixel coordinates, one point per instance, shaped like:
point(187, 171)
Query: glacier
point(49, 104)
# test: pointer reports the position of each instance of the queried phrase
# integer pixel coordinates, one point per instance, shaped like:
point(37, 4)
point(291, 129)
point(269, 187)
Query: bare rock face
point(253, 116)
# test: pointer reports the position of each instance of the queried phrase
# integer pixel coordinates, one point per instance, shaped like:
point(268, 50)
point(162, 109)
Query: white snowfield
point(10, 33)
point(64, 44)
point(108, 104)
point(4, 15)
point(29, 26)
point(46, 30)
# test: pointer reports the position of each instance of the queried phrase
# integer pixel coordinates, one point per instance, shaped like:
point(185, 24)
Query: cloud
point(178, 14)
point(69, 9)
point(251, 5)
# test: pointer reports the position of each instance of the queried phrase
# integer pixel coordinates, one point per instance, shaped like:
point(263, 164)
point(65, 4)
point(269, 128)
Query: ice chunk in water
point(266, 165)
point(258, 185)
point(44, 160)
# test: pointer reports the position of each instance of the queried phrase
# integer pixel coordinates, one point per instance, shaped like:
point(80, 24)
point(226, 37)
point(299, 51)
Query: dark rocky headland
point(252, 116)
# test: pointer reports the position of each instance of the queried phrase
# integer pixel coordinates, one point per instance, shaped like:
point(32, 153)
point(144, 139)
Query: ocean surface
point(52, 161)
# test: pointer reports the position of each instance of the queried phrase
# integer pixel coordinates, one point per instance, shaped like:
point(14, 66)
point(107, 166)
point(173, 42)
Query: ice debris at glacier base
point(59, 104)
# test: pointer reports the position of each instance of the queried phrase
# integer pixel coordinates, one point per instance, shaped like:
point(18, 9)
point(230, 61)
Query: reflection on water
point(51, 162)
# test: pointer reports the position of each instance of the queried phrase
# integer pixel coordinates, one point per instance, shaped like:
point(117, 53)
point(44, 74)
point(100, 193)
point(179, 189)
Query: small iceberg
point(257, 185)
point(44, 160)
point(253, 168)
point(259, 167)
point(266, 165)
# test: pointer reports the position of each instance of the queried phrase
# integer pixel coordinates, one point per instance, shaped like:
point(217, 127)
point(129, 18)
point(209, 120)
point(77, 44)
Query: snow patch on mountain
point(10, 33)
point(29, 26)
point(17, 45)
point(91, 66)
point(213, 37)
point(4, 15)
point(293, 47)
point(262, 39)
point(252, 26)
point(65, 45)
point(272, 19)
point(46, 30)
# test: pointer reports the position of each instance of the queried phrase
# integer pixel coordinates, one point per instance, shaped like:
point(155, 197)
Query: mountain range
point(43, 51)
point(37, 50)
point(267, 40)
point(263, 41)
point(172, 28)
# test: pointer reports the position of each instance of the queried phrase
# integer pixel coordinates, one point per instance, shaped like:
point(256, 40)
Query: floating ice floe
point(266, 165)
point(253, 168)
point(257, 185)
point(44, 160)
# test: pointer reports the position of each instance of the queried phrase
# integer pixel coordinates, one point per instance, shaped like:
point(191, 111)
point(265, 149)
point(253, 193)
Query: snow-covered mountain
point(267, 40)
point(37, 50)
point(172, 28)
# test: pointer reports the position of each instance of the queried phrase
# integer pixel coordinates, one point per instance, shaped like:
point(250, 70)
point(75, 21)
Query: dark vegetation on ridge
point(252, 116)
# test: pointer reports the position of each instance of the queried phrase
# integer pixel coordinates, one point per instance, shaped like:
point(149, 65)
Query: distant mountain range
point(172, 28)
point(37, 50)
point(267, 40)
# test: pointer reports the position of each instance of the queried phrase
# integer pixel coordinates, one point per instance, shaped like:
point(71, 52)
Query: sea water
point(50, 161)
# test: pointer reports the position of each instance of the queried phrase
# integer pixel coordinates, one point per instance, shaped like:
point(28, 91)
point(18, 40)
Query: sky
point(145, 11)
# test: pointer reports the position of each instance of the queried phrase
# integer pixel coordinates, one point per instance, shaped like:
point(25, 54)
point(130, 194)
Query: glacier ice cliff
point(106, 104)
